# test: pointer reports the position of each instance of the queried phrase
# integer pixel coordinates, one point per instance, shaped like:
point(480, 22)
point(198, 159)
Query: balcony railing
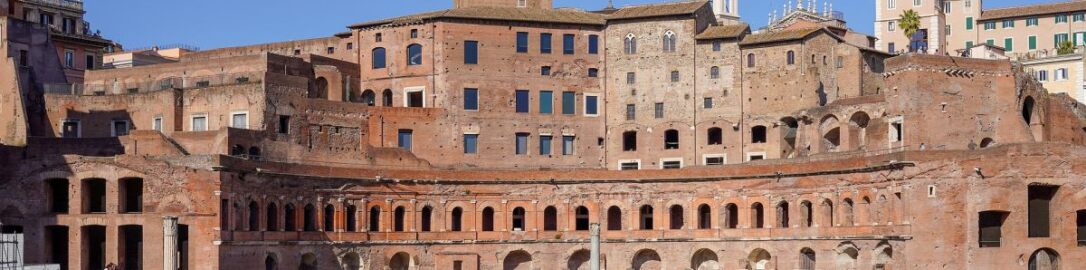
point(72, 4)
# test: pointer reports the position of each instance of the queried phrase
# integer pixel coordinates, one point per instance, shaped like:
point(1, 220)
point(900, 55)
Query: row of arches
point(668, 43)
point(380, 57)
point(703, 215)
point(369, 97)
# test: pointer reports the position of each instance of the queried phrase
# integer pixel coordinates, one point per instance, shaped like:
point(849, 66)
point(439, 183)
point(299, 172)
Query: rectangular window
point(414, 33)
point(522, 101)
point(545, 145)
point(403, 140)
point(157, 124)
point(891, 26)
point(1080, 222)
point(471, 52)
point(1042, 75)
point(120, 128)
point(1032, 43)
point(891, 4)
point(629, 166)
point(968, 23)
point(990, 226)
point(1061, 74)
point(569, 101)
point(947, 29)
point(69, 59)
point(24, 58)
point(714, 160)
point(284, 124)
point(1078, 17)
point(591, 105)
point(546, 102)
point(593, 73)
point(90, 62)
point(471, 143)
point(331, 50)
point(990, 42)
point(1061, 18)
point(545, 71)
point(1008, 23)
point(1060, 39)
point(1040, 216)
point(631, 112)
point(659, 110)
point(239, 120)
point(989, 25)
point(671, 164)
point(1031, 21)
point(891, 48)
point(545, 43)
point(567, 43)
point(522, 42)
point(916, 2)
point(707, 103)
point(716, 46)
point(203, 84)
point(593, 44)
point(522, 144)
point(969, 44)
point(1008, 43)
point(199, 123)
point(471, 99)
point(631, 78)
point(946, 6)
point(567, 145)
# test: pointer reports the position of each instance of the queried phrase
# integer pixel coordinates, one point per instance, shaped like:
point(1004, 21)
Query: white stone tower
point(726, 10)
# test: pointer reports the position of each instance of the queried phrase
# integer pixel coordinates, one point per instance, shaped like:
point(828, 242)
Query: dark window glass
point(707, 103)
point(659, 110)
point(591, 105)
point(630, 112)
point(522, 42)
point(545, 144)
point(545, 71)
point(378, 58)
point(404, 139)
point(671, 139)
point(629, 141)
point(567, 145)
point(593, 73)
point(593, 44)
point(522, 144)
point(1040, 199)
point(471, 99)
point(546, 102)
point(414, 54)
point(569, 101)
point(522, 101)
point(471, 143)
point(471, 52)
point(990, 226)
point(545, 43)
point(567, 44)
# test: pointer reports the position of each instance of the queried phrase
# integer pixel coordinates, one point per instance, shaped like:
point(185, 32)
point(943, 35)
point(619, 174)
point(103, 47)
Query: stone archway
point(517, 260)
point(647, 259)
point(705, 259)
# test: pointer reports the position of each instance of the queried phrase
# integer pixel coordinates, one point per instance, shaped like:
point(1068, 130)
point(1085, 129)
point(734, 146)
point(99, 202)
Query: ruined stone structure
point(494, 134)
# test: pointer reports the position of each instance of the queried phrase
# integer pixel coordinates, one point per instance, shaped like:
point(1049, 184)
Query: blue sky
point(222, 23)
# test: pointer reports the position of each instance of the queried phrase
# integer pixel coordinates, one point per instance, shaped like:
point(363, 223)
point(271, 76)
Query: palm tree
point(1065, 47)
point(909, 24)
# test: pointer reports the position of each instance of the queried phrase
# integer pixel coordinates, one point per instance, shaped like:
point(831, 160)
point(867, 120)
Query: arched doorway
point(401, 261)
point(857, 130)
point(831, 134)
point(517, 260)
point(579, 260)
point(759, 259)
point(647, 259)
point(309, 262)
point(352, 261)
point(320, 89)
point(846, 259)
point(270, 263)
point(1044, 259)
point(705, 259)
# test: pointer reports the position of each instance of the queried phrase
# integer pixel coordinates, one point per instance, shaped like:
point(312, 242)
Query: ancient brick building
point(494, 134)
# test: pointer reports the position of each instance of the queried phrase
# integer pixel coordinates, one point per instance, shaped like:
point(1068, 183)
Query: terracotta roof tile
point(778, 36)
point(724, 31)
point(657, 10)
point(1031, 10)
point(497, 13)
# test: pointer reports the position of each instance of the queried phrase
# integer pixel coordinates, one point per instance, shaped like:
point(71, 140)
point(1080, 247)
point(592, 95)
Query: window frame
point(475, 146)
point(522, 42)
point(546, 104)
point(474, 98)
point(113, 127)
point(520, 94)
point(471, 53)
point(236, 113)
point(569, 42)
point(192, 122)
point(588, 96)
point(705, 159)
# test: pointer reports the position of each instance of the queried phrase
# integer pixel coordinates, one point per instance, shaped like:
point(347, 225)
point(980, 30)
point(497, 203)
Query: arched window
point(351, 219)
point(456, 222)
point(427, 213)
point(518, 219)
point(614, 218)
point(671, 139)
point(272, 217)
point(368, 98)
point(289, 218)
point(1027, 110)
point(254, 216)
point(987, 142)
point(309, 221)
point(669, 41)
point(386, 98)
point(329, 218)
point(705, 217)
point(398, 218)
point(550, 219)
point(827, 214)
point(676, 217)
point(757, 216)
point(714, 72)
point(807, 259)
point(808, 215)
point(645, 216)
point(791, 58)
point(375, 219)
point(750, 60)
point(731, 216)
point(758, 134)
point(630, 44)
point(488, 219)
point(270, 263)
point(1044, 259)
point(849, 217)
point(378, 56)
point(414, 55)
point(782, 215)
point(715, 136)
point(254, 153)
point(629, 141)
point(582, 218)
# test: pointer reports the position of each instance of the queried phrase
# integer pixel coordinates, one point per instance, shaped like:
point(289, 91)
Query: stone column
point(169, 243)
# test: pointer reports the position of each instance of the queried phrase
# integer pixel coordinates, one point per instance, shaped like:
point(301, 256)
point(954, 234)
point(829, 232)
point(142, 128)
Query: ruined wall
point(336, 47)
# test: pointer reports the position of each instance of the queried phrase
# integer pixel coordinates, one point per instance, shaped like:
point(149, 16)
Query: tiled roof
point(778, 36)
point(657, 10)
point(724, 31)
point(497, 13)
point(1032, 10)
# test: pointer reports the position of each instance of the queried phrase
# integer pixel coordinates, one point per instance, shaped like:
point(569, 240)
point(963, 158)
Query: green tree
point(909, 24)
point(1065, 47)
